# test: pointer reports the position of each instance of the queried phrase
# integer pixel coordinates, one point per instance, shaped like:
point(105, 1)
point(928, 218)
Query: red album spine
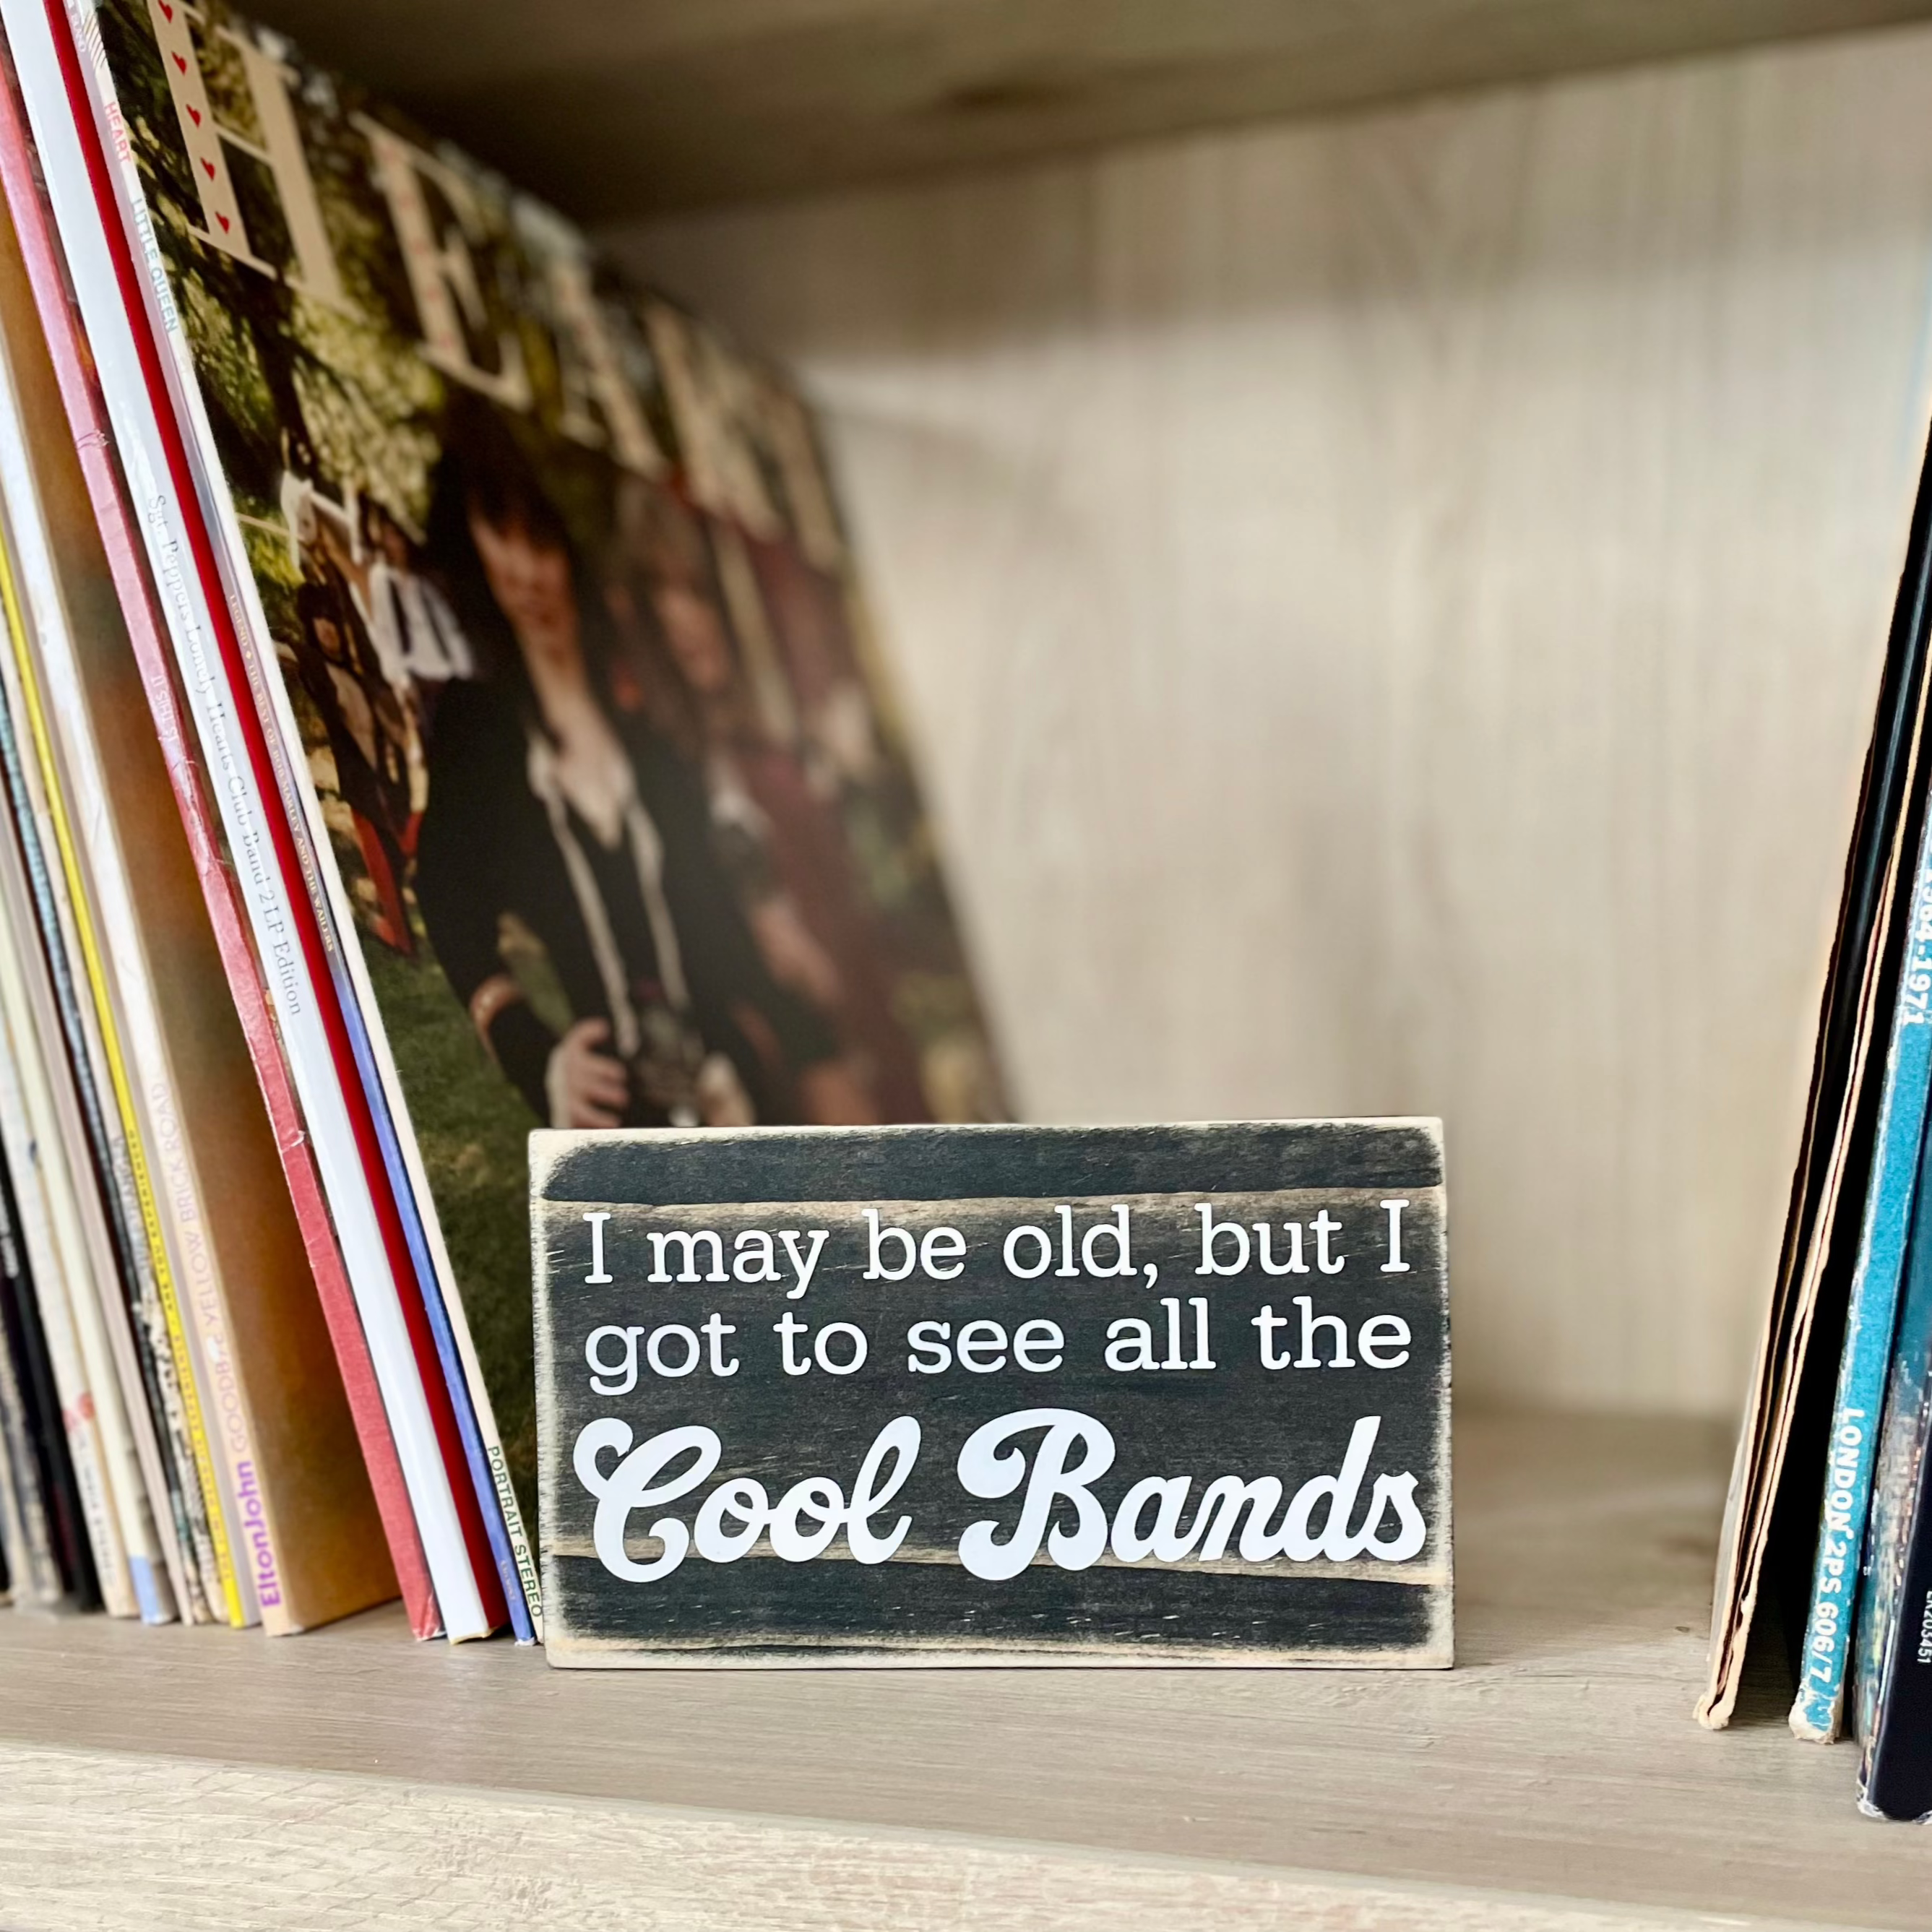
point(87, 415)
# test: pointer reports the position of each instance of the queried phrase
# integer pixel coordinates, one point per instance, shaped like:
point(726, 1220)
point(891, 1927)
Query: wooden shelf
point(618, 112)
point(154, 1778)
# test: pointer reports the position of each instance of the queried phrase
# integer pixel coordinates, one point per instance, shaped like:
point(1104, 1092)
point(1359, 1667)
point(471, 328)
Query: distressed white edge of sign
point(548, 1146)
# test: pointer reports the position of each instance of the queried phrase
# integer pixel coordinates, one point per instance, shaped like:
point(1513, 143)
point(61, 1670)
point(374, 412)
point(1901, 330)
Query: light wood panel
point(660, 104)
point(1392, 609)
point(349, 1773)
point(139, 1844)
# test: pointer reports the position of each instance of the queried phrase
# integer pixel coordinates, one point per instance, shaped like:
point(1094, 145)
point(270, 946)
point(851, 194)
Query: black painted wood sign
point(1000, 1395)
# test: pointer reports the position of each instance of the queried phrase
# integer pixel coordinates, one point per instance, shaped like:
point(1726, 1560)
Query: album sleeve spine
point(25, 1537)
point(1898, 1519)
point(1818, 1712)
point(1895, 1694)
point(73, 1561)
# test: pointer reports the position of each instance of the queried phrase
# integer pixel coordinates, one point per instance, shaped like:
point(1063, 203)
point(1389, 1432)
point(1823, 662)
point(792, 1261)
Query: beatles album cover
point(566, 614)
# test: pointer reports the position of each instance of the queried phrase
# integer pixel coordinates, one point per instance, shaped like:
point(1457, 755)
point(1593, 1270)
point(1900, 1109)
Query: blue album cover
point(1895, 1480)
point(1852, 1450)
point(1893, 1673)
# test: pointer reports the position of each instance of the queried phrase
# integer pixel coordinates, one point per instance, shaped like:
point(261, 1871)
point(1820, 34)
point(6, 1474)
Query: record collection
point(1827, 1541)
point(434, 704)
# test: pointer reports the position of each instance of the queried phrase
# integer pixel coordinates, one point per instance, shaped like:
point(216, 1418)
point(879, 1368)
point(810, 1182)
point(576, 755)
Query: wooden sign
point(1001, 1395)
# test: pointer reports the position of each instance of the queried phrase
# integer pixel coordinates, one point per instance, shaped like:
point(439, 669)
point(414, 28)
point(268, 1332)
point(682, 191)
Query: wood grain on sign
point(1391, 609)
point(1168, 1395)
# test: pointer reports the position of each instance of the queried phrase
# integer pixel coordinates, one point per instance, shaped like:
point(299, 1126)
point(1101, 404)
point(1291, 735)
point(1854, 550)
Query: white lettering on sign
point(1325, 1519)
point(802, 1524)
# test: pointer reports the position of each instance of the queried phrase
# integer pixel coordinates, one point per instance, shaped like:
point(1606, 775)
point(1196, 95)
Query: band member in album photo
point(415, 633)
point(775, 819)
point(371, 739)
point(551, 805)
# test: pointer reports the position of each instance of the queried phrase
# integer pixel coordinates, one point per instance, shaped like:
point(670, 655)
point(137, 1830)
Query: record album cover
point(568, 643)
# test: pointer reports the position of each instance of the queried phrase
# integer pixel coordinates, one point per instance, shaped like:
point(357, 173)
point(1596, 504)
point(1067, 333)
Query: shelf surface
point(1558, 1761)
point(617, 112)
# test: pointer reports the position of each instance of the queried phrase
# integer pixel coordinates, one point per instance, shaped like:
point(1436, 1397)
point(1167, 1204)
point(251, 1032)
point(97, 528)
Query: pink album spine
point(87, 416)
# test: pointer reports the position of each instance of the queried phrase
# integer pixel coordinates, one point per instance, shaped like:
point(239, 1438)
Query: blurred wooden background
point(1391, 606)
